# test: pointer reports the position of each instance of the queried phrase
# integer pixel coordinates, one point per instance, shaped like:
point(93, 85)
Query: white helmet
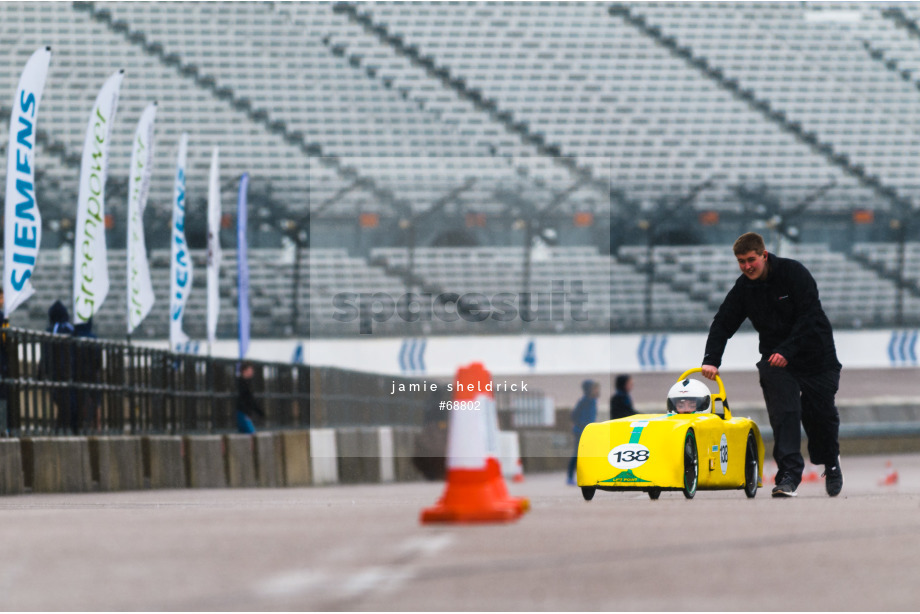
point(691, 390)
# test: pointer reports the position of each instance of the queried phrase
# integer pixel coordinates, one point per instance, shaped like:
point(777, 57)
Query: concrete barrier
point(164, 461)
point(239, 461)
point(269, 462)
point(11, 482)
point(875, 445)
point(117, 463)
point(204, 461)
point(403, 452)
point(510, 453)
point(324, 456)
point(295, 450)
point(359, 455)
point(56, 464)
point(545, 450)
point(385, 452)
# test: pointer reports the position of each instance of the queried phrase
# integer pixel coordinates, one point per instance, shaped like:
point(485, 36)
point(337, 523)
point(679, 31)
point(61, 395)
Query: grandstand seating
point(853, 295)
point(84, 54)
point(806, 66)
point(663, 126)
point(885, 256)
point(627, 108)
point(689, 284)
point(386, 107)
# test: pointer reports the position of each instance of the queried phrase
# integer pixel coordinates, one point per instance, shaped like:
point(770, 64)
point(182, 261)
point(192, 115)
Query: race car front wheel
point(750, 467)
point(654, 493)
point(691, 465)
point(588, 492)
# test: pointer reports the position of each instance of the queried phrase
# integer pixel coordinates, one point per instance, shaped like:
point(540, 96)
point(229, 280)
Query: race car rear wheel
point(691, 465)
point(588, 492)
point(654, 493)
point(751, 470)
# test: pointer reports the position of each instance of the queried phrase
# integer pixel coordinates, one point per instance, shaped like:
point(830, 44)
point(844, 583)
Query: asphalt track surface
point(362, 548)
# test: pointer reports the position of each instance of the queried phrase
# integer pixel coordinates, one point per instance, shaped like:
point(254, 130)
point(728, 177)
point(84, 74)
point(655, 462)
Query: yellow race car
point(705, 448)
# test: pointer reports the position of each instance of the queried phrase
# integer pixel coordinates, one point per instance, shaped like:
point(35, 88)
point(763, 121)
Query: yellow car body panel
point(646, 451)
point(721, 466)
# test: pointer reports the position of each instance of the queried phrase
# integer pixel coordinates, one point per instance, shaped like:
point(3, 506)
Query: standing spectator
point(59, 320)
point(621, 405)
point(799, 370)
point(57, 365)
point(246, 404)
point(430, 446)
point(88, 371)
point(585, 413)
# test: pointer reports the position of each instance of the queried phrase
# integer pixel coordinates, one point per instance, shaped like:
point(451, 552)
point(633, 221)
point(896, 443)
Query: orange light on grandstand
point(109, 221)
point(583, 219)
point(863, 216)
point(369, 220)
point(709, 218)
point(226, 221)
point(475, 220)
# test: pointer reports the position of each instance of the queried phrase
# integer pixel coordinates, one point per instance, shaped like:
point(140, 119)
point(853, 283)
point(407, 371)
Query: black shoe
point(784, 488)
point(833, 478)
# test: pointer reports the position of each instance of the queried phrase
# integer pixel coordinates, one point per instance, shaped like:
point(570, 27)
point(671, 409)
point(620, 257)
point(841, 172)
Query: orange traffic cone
point(476, 490)
point(810, 476)
point(510, 460)
point(891, 476)
point(771, 477)
point(518, 472)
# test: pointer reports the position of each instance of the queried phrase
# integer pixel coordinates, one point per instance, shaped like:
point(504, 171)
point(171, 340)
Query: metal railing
point(526, 408)
point(62, 385)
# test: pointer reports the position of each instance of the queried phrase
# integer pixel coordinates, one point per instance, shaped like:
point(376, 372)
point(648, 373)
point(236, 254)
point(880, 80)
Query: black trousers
point(795, 398)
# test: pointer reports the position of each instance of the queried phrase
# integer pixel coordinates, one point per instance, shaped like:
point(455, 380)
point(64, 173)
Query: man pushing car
point(799, 370)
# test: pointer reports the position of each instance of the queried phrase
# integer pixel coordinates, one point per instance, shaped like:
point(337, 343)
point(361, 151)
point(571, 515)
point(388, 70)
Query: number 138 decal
point(628, 456)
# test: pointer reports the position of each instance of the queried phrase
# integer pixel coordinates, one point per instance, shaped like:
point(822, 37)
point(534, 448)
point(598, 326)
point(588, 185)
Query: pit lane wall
point(270, 459)
point(555, 354)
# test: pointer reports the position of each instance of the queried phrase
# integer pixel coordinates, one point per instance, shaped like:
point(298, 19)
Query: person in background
point(87, 370)
point(621, 405)
point(585, 413)
point(59, 320)
point(246, 404)
point(57, 365)
point(430, 447)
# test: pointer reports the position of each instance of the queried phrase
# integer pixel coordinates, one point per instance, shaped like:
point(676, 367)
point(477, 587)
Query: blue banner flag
point(242, 266)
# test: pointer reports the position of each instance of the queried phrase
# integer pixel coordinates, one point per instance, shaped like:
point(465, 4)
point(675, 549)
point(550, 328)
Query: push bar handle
point(719, 396)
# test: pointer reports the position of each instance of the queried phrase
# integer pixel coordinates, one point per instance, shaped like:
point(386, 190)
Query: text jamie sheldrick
point(424, 386)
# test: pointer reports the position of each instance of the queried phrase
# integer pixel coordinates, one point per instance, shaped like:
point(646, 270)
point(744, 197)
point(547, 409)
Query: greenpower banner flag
point(214, 252)
point(90, 263)
point(180, 269)
point(140, 296)
point(22, 230)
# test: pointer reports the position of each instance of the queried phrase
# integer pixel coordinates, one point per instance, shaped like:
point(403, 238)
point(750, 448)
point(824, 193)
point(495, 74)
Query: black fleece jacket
point(784, 308)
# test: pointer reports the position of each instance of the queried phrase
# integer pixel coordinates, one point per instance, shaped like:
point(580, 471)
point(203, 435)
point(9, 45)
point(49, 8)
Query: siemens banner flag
point(140, 289)
point(180, 270)
point(90, 263)
point(22, 231)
